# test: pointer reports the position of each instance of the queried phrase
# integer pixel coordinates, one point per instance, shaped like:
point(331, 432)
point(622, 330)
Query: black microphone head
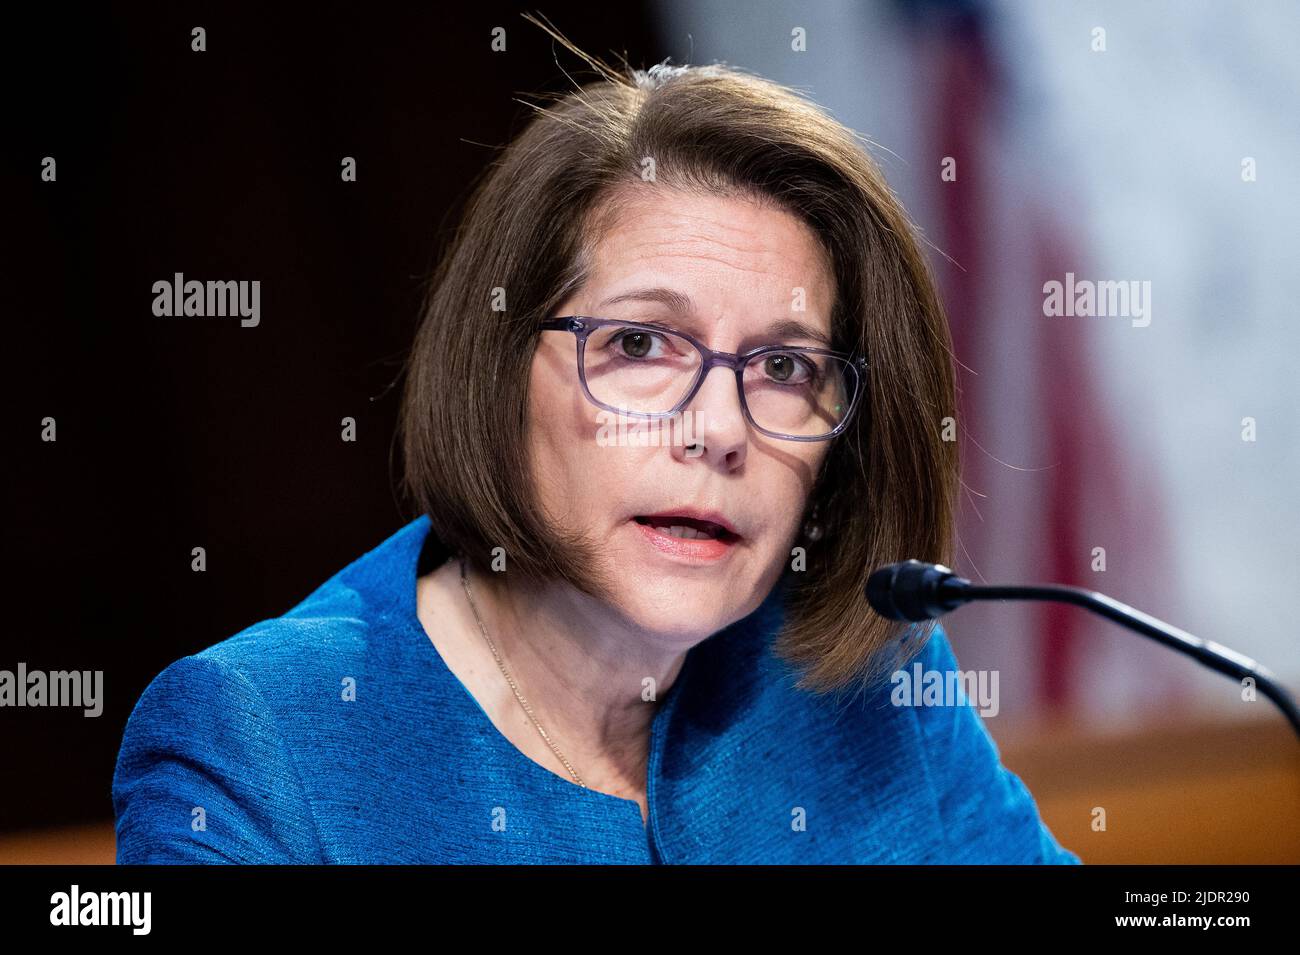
point(912, 590)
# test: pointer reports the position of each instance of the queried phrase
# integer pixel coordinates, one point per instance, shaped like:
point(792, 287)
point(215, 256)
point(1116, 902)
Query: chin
point(677, 626)
point(686, 598)
point(681, 612)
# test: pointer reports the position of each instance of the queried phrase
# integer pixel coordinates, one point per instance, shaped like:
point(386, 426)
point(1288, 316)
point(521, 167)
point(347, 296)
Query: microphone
point(913, 590)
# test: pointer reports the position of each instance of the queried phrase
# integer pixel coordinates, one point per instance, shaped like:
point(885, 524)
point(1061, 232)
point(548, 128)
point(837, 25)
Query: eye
point(789, 368)
point(636, 343)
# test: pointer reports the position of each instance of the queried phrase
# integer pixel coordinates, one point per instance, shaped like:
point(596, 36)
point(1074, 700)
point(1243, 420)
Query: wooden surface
point(74, 845)
point(1210, 794)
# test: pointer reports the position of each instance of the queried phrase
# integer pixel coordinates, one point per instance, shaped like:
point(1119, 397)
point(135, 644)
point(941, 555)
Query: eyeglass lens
point(648, 372)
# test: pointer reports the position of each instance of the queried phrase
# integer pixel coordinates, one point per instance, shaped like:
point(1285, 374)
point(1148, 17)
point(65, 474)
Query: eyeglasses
point(651, 371)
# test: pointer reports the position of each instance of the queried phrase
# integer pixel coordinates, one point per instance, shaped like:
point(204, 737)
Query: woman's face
point(736, 268)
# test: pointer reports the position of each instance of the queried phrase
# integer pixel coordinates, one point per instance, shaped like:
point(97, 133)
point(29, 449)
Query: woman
point(603, 643)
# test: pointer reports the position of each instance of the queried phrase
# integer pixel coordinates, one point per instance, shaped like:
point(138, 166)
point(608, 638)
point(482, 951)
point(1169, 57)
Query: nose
point(716, 428)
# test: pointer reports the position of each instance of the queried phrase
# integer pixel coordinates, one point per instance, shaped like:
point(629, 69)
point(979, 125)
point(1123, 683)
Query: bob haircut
point(888, 488)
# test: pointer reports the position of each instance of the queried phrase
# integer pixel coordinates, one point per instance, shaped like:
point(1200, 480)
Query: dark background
point(182, 432)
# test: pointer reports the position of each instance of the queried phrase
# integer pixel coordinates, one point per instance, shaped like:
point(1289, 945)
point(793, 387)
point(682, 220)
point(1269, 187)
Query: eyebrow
point(682, 304)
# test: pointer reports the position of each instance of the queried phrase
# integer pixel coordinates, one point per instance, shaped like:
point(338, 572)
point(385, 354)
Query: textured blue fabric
point(254, 737)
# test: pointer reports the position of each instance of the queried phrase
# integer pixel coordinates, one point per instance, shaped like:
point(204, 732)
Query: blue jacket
point(254, 750)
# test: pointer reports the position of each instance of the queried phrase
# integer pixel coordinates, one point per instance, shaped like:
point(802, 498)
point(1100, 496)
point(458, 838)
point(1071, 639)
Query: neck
point(591, 676)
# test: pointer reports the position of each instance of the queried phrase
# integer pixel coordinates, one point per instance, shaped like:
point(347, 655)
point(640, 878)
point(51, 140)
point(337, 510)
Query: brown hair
point(888, 488)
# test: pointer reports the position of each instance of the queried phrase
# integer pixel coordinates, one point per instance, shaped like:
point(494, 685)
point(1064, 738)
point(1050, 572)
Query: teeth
point(689, 533)
point(686, 532)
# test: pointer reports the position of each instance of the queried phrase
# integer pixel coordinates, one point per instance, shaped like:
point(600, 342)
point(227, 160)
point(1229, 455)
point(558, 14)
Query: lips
point(690, 525)
point(688, 535)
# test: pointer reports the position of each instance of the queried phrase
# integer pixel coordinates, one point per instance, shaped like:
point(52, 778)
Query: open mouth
point(688, 528)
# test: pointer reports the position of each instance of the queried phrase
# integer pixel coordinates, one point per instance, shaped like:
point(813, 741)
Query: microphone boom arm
point(913, 590)
point(1213, 655)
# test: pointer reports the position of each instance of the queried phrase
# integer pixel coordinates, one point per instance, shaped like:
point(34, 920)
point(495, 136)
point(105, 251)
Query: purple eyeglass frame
point(583, 325)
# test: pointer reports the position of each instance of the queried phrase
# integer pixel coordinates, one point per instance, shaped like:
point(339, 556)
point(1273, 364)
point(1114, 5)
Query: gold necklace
point(509, 679)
